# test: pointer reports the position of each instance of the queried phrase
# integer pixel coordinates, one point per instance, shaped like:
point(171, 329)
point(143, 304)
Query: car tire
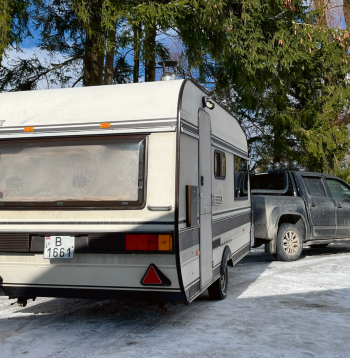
point(218, 289)
point(289, 244)
point(318, 246)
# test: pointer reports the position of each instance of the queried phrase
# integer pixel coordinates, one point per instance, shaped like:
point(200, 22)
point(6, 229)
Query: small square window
point(219, 165)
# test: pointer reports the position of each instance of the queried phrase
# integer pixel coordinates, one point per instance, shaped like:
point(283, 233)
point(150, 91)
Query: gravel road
point(274, 309)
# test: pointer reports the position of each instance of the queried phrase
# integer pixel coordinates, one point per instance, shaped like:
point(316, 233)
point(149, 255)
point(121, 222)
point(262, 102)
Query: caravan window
point(241, 178)
point(85, 172)
point(219, 165)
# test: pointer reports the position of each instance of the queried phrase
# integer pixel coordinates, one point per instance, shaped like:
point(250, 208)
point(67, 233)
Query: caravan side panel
point(231, 218)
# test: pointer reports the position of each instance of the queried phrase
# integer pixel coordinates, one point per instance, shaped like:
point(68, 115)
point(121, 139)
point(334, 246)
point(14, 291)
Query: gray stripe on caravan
point(216, 243)
point(90, 123)
point(230, 211)
point(87, 223)
point(221, 226)
point(238, 254)
point(229, 147)
point(113, 126)
point(188, 238)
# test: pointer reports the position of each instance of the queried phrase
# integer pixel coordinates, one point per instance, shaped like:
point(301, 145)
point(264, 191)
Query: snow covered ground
point(274, 309)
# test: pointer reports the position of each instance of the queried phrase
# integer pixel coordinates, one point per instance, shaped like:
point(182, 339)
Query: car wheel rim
point(291, 243)
point(223, 282)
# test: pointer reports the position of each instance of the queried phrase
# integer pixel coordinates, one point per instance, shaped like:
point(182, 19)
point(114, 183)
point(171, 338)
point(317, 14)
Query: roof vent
point(167, 74)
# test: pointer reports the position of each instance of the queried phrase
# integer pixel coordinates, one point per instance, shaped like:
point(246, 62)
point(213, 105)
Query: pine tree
point(13, 23)
point(284, 73)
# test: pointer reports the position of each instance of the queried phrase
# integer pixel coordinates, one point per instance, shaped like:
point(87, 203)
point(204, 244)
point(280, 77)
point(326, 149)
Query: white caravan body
point(142, 177)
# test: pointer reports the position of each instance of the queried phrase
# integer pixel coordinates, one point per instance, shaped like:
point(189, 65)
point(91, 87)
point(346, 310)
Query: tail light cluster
point(148, 243)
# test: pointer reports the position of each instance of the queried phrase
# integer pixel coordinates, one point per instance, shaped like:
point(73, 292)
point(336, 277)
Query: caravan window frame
point(218, 164)
point(82, 204)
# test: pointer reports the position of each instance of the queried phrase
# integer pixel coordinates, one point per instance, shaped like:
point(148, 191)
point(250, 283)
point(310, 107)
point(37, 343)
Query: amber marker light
point(165, 243)
point(29, 129)
point(105, 125)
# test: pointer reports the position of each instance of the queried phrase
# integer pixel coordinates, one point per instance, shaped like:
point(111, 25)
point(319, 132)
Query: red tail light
point(146, 242)
point(141, 242)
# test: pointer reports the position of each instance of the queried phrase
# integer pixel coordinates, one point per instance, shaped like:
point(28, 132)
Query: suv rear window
point(268, 181)
point(273, 183)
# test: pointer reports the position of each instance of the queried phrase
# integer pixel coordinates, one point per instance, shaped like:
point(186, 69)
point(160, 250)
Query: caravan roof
point(153, 100)
point(129, 108)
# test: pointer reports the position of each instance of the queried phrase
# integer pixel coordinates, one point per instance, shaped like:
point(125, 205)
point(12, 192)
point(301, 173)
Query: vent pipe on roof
point(168, 75)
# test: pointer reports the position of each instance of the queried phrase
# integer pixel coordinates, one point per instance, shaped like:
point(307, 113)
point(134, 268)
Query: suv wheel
point(289, 243)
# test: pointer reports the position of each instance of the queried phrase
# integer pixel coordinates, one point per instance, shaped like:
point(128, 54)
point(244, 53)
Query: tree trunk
point(320, 5)
point(150, 53)
point(93, 63)
point(109, 67)
point(346, 9)
point(95, 46)
point(136, 72)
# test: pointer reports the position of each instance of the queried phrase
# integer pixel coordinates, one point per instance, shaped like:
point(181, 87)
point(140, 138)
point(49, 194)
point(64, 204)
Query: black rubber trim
point(148, 295)
point(177, 194)
point(94, 243)
point(83, 286)
point(193, 289)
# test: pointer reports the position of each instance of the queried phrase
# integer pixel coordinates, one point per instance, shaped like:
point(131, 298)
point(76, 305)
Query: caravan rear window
point(86, 172)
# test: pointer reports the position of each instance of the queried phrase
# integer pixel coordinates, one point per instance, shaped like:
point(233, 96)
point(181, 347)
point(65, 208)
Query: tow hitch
point(22, 301)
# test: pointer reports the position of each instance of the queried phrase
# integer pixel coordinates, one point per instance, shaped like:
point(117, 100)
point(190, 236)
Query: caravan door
point(205, 191)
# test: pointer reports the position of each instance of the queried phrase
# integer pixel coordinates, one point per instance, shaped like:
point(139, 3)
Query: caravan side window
point(219, 165)
point(241, 178)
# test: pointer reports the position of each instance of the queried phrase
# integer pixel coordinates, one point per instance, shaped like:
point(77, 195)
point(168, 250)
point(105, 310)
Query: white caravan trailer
point(123, 192)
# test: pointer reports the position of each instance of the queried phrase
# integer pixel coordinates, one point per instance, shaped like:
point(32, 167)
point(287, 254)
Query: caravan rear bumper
point(100, 293)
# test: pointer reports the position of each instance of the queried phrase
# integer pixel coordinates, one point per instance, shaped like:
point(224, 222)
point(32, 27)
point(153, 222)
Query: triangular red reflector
point(151, 277)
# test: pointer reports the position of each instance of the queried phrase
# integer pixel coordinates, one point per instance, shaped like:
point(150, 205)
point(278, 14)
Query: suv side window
point(315, 186)
point(338, 189)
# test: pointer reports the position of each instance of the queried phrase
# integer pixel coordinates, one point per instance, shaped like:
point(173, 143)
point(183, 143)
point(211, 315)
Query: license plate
point(59, 247)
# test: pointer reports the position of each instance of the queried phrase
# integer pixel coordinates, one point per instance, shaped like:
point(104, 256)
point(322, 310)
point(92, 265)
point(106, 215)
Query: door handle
point(340, 206)
point(313, 205)
point(202, 180)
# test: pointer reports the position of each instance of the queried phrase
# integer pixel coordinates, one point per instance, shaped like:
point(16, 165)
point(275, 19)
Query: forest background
point(281, 67)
